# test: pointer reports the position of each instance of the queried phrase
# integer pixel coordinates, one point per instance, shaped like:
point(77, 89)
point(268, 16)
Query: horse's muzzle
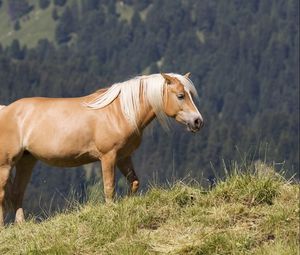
point(195, 125)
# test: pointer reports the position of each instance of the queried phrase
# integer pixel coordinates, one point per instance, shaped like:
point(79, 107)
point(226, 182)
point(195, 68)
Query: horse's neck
point(145, 117)
point(146, 114)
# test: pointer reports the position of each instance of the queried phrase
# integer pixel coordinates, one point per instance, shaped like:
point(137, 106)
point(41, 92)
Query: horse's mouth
point(189, 126)
point(191, 129)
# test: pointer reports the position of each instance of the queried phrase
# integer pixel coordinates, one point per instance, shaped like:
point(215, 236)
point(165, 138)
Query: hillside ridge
point(248, 213)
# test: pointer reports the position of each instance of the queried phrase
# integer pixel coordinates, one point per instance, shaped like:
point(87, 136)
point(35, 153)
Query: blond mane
point(131, 92)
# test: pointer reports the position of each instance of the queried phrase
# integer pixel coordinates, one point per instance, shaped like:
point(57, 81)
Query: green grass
point(255, 212)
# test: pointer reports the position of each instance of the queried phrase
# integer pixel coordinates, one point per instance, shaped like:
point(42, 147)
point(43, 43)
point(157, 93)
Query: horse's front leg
point(108, 162)
point(126, 167)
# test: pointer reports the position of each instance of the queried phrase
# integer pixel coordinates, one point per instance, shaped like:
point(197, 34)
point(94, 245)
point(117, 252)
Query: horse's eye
point(180, 96)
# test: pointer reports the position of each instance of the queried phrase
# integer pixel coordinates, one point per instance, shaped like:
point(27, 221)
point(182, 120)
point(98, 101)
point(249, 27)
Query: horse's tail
point(8, 189)
point(8, 198)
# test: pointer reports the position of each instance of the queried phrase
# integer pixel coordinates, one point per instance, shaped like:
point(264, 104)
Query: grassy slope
point(247, 214)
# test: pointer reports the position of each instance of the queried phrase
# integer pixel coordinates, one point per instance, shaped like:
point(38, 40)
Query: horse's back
point(34, 115)
point(37, 114)
point(57, 131)
point(34, 108)
point(64, 131)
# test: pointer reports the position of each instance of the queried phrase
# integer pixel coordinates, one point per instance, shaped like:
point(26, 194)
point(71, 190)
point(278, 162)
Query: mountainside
point(243, 56)
point(249, 213)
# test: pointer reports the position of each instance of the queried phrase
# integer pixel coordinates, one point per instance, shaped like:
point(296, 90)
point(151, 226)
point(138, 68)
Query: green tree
point(59, 2)
point(44, 4)
point(17, 9)
point(65, 26)
point(15, 50)
point(17, 25)
point(54, 14)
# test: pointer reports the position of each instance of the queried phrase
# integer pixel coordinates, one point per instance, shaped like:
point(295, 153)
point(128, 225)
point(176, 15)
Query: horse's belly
point(66, 160)
point(64, 153)
point(62, 148)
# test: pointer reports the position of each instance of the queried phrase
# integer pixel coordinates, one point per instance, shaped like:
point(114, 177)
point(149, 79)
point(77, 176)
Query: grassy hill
point(255, 212)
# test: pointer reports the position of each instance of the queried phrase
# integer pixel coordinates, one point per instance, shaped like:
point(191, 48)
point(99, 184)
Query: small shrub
point(17, 25)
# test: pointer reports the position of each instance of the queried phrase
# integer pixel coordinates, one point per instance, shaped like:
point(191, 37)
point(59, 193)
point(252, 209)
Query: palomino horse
point(105, 126)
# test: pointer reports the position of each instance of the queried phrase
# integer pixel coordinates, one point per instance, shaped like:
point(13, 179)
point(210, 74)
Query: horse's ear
point(187, 75)
point(168, 78)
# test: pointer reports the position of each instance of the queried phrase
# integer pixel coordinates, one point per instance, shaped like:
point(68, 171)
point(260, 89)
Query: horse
point(105, 126)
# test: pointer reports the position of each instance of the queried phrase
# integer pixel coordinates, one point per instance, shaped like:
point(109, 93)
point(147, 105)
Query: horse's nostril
point(197, 122)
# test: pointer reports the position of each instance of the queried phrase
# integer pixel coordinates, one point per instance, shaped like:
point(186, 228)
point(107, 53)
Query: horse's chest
point(129, 146)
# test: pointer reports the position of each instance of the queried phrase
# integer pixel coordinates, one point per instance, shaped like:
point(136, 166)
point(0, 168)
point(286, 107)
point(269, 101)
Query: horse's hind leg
point(126, 167)
point(24, 169)
point(4, 175)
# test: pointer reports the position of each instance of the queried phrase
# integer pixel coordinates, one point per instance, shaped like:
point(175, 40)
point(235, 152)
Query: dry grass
point(248, 213)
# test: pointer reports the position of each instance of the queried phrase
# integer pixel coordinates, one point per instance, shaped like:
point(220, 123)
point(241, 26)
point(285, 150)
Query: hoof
point(134, 186)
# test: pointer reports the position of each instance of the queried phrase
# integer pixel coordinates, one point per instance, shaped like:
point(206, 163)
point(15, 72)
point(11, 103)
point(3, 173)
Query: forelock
point(187, 83)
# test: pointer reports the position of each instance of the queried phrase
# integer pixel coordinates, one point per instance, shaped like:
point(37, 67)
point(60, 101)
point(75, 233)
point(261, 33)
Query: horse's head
point(178, 103)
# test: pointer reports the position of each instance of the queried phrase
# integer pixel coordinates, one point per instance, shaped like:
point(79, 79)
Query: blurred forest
point(244, 60)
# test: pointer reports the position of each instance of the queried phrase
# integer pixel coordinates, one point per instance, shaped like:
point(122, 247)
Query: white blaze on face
point(196, 113)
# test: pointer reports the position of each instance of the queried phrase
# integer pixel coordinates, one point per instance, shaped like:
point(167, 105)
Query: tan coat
point(64, 132)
